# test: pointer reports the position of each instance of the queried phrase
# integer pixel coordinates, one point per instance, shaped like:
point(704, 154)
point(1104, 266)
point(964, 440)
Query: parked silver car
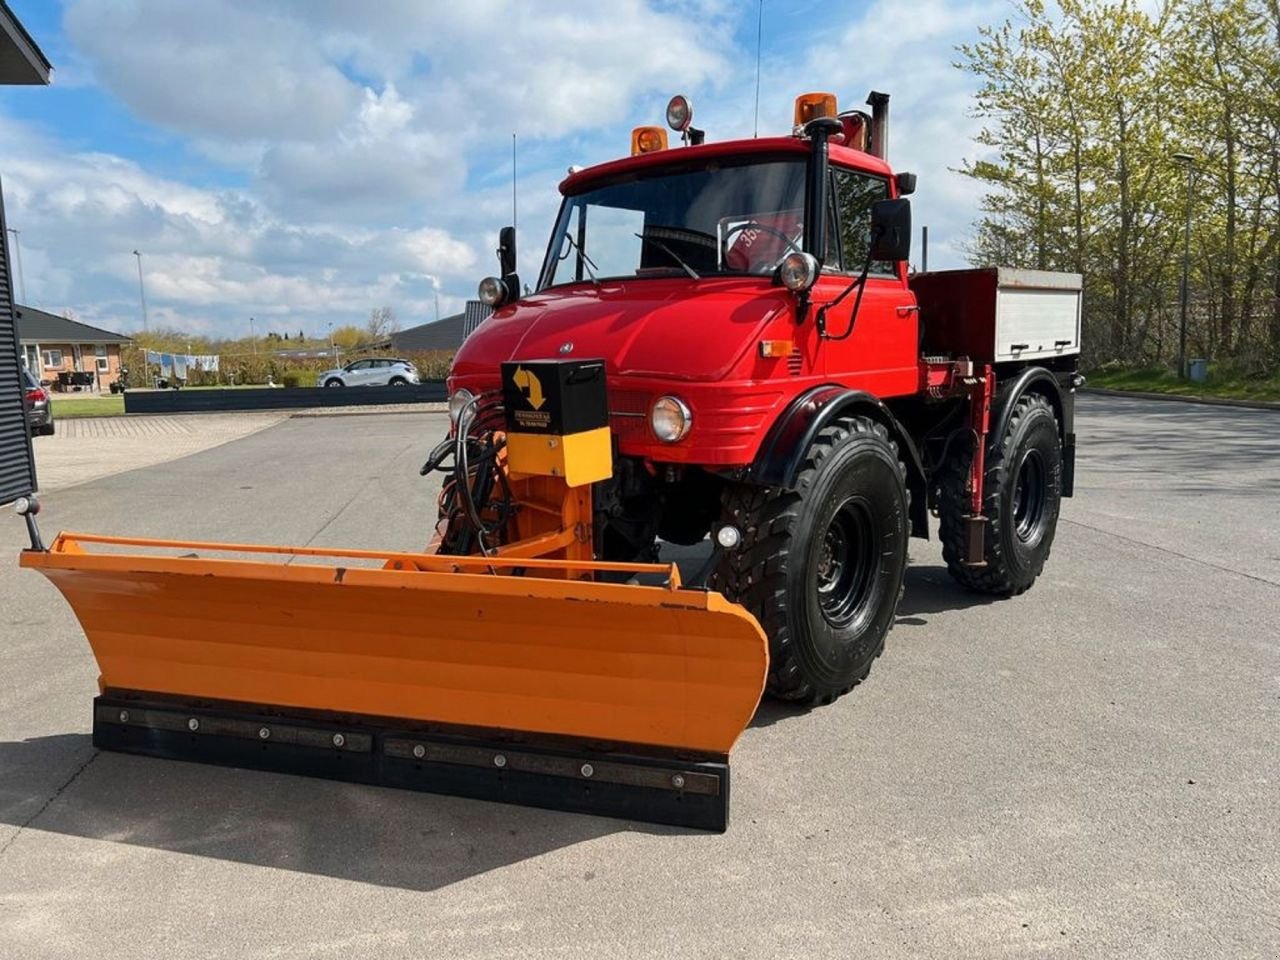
point(371, 372)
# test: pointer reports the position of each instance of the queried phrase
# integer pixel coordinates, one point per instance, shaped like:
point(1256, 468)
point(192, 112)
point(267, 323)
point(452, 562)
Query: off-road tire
point(779, 569)
point(1017, 545)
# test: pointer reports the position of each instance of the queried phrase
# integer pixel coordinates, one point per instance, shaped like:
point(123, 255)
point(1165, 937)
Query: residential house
point(50, 345)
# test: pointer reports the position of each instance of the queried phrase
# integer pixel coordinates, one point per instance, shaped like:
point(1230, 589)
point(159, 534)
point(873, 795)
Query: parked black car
point(38, 404)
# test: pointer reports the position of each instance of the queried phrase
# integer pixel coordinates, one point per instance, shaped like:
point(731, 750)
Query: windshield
point(721, 218)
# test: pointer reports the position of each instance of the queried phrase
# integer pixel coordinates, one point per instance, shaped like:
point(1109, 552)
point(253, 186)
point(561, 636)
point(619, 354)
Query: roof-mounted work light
point(679, 113)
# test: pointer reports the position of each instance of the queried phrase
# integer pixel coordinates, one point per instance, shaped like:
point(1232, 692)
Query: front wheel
point(334, 382)
point(1022, 494)
point(399, 382)
point(821, 566)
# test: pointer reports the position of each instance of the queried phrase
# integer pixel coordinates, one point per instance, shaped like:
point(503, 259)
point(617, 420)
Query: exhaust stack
point(879, 103)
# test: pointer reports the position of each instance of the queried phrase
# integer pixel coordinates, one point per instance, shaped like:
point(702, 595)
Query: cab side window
point(853, 195)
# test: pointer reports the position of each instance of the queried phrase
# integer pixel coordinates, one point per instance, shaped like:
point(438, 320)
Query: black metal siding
point(17, 466)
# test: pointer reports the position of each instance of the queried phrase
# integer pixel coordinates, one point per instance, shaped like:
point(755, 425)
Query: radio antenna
point(759, 37)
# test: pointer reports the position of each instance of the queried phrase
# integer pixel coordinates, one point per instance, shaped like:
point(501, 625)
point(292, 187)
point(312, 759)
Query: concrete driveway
point(87, 448)
point(1090, 770)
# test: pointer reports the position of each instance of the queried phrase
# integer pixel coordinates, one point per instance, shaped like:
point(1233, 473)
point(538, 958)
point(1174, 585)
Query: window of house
point(100, 358)
point(855, 194)
point(53, 359)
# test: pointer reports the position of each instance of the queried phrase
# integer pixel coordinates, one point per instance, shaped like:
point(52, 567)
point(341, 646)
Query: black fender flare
point(778, 461)
point(1042, 381)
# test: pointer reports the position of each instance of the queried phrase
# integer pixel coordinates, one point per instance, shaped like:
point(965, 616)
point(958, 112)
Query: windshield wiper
point(669, 252)
point(583, 260)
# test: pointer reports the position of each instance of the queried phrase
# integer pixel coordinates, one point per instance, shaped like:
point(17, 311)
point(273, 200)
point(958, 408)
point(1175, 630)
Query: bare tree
point(382, 323)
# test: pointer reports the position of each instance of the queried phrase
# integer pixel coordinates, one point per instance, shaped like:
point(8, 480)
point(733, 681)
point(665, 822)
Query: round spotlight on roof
point(679, 113)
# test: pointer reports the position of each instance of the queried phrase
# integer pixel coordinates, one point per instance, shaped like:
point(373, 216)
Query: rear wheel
point(1022, 494)
point(821, 566)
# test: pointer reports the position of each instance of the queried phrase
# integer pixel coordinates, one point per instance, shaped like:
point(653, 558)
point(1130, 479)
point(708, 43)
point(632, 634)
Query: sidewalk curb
point(1205, 401)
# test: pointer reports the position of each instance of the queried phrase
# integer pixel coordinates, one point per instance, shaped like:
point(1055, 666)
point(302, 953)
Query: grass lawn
point(79, 405)
point(1229, 385)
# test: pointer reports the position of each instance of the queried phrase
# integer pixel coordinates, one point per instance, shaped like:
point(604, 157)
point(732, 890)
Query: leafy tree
point(1083, 106)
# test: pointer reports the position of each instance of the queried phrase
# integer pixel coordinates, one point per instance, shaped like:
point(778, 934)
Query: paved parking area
point(87, 448)
point(1089, 770)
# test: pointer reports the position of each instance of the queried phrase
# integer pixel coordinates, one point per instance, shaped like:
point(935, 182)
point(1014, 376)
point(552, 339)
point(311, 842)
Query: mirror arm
point(861, 284)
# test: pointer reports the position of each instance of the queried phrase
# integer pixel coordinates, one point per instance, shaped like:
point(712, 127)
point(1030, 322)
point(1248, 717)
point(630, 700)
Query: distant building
point(50, 345)
point(444, 334)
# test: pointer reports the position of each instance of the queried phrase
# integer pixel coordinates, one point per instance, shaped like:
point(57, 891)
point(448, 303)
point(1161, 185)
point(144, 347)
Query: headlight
point(458, 402)
point(493, 292)
point(798, 271)
point(670, 419)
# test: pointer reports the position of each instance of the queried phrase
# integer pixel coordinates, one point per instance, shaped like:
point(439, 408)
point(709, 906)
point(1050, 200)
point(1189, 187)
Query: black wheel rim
point(1029, 497)
point(844, 570)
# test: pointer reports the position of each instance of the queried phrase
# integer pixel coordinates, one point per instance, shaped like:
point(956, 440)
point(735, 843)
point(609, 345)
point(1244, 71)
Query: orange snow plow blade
point(503, 678)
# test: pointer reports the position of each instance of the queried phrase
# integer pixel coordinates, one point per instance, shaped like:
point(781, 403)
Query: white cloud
point(211, 258)
point(378, 166)
point(215, 68)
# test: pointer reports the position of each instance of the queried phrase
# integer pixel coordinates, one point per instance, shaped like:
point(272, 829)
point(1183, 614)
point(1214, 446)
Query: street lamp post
point(142, 293)
point(1189, 162)
point(330, 339)
point(17, 252)
point(253, 337)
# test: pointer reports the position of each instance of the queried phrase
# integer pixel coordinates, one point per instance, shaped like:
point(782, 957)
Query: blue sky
point(307, 160)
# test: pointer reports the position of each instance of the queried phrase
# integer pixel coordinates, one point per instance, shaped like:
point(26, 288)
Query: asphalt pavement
point(1089, 770)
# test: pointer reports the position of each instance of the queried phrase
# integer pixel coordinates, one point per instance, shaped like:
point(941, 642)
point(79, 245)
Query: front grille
point(629, 415)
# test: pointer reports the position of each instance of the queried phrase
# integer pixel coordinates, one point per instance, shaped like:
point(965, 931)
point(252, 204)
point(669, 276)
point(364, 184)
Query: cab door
point(881, 353)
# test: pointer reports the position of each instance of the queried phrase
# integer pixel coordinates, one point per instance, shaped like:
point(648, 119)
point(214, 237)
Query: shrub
point(431, 364)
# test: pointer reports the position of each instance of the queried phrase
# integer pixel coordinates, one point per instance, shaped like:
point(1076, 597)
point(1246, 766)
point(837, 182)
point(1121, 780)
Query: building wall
point(54, 358)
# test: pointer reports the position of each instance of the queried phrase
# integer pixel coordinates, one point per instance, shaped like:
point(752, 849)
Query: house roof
point(446, 333)
point(21, 60)
point(36, 326)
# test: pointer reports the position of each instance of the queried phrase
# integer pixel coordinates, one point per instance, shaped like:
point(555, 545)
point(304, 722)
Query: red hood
point(677, 329)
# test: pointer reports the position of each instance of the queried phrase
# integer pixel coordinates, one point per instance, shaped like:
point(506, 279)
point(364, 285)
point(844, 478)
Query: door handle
point(906, 311)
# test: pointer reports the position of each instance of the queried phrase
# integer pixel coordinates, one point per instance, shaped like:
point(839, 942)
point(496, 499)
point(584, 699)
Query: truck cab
point(667, 265)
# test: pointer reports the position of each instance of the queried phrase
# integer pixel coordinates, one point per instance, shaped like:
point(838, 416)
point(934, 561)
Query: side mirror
point(506, 251)
point(906, 183)
point(891, 230)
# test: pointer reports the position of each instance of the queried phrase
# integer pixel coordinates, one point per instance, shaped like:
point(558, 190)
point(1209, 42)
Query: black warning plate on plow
point(557, 397)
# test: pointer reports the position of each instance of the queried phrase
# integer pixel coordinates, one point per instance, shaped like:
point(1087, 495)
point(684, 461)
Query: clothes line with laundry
point(179, 364)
